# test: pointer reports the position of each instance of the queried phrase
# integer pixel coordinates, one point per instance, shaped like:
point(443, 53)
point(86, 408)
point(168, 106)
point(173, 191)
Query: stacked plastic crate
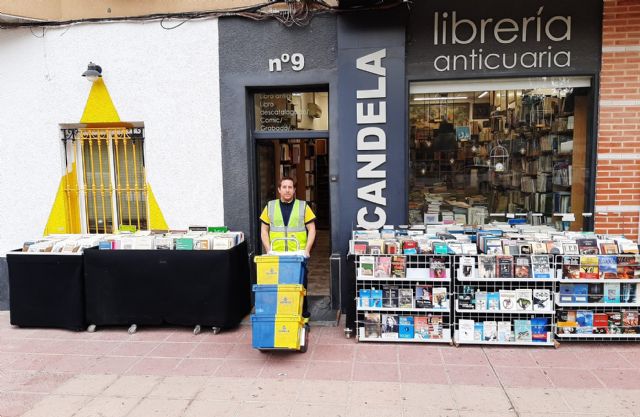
point(277, 322)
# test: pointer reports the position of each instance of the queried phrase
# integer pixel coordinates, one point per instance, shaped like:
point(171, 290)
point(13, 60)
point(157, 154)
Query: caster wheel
point(263, 351)
point(556, 344)
point(196, 330)
point(216, 330)
point(91, 328)
point(348, 333)
point(132, 329)
point(304, 347)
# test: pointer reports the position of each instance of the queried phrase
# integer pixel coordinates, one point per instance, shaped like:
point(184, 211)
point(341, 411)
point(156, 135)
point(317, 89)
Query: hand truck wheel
point(196, 330)
point(91, 328)
point(132, 329)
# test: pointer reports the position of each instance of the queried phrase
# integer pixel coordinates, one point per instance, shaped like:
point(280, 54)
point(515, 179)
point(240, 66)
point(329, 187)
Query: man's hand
point(307, 254)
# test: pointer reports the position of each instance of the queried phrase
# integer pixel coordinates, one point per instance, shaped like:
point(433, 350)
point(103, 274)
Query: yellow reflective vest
point(296, 227)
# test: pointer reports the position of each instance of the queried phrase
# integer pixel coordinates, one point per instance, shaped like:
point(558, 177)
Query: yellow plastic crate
point(286, 269)
point(279, 299)
point(277, 332)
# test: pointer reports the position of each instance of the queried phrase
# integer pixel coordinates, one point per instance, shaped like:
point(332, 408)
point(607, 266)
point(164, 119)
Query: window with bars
point(109, 184)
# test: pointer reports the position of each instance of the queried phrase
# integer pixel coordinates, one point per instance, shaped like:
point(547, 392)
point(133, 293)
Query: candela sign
point(372, 140)
point(539, 30)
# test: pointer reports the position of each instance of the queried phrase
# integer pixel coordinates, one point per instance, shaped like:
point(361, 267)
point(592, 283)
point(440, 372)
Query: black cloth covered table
point(46, 290)
point(152, 287)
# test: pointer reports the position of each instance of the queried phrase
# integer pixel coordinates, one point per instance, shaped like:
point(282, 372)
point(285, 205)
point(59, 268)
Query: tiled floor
point(171, 372)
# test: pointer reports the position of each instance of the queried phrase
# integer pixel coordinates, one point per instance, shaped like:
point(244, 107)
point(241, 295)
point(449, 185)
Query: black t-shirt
point(286, 209)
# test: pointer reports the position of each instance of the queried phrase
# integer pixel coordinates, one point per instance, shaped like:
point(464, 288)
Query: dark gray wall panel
point(4, 285)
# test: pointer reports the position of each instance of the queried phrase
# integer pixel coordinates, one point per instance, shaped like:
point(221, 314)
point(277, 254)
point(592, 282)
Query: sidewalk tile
point(154, 366)
point(117, 365)
point(225, 336)
point(534, 400)
point(594, 401)
point(14, 404)
point(172, 350)
point(86, 385)
point(178, 387)
point(556, 358)
point(487, 414)
point(317, 410)
point(134, 348)
point(375, 352)
point(323, 392)
point(33, 362)
point(481, 399)
point(619, 378)
point(107, 407)
point(244, 351)
point(284, 369)
point(599, 359)
point(44, 382)
point(153, 407)
point(510, 357)
point(468, 355)
point(383, 372)
point(329, 371)
point(91, 347)
point(111, 334)
point(370, 395)
point(522, 377)
point(572, 378)
point(57, 406)
point(198, 367)
point(212, 350)
point(262, 409)
point(426, 354)
point(341, 353)
point(150, 335)
point(413, 411)
point(72, 363)
point(423, 374)
point(272, 390)
point(246, 368)
point(435, 397)
point(200, 408)
point(10, 380)
point(132, 386)
point(471, 375)
point(226, 389)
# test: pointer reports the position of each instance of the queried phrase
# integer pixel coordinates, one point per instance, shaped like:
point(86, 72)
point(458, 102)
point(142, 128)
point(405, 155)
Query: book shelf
point(597, 298)
point(493, 308)
point(403, 298)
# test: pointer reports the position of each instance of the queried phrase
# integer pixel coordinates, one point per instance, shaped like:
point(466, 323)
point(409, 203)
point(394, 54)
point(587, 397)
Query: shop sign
point(296, 61)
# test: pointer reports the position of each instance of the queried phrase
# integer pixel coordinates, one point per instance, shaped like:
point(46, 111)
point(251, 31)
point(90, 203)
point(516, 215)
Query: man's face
point(287, 190)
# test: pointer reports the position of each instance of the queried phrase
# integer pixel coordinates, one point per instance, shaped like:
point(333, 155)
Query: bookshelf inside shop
point(516, 151)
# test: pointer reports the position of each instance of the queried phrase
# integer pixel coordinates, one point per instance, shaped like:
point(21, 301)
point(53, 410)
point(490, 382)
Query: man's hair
point(287, 178)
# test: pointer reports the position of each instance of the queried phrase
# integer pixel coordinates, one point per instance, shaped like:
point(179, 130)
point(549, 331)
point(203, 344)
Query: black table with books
point(153, 287)
point(46, 290)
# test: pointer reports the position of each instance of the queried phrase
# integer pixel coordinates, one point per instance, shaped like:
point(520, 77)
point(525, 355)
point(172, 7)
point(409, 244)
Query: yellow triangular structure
point(99, 107)
point(156, 219)
point(65, 213)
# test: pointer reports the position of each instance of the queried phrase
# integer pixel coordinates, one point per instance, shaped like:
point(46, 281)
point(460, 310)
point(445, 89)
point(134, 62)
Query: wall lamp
point(93, 72)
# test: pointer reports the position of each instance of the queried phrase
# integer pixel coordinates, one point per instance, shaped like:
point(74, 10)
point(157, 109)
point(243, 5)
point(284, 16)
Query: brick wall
point(618, 169)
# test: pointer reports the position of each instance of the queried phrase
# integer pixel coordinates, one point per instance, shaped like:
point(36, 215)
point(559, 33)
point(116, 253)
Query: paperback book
point(523, 266)
point(507, 300)
point(487, 266)
point(382, 267)
point(571, 267)
point(505, 266)
point(372, 325)
point(524, 299)
point(389, 326)
point(406, 327)
point(542, 300)
point(405, 298)
point(589, 267)
point(541, 267)
point(467, 267)
point(389, 296)
point(504, 331)
point(398, 266)
point(423, 296)
point(608, 266)
point(522, 329)
point(490, 331)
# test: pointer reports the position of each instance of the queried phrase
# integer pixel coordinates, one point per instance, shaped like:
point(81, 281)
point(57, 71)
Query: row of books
point(392, 296)
point(506, 266)
point(391, 326)
point(535, 330)
point(601, 267)
point(519, 299)
point(589, 322)
point(190, 240)
point(396, 267)
point(62, 244)
point(608, 292)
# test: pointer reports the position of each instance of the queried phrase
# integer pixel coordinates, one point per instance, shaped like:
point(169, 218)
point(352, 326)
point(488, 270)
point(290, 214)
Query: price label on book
point(536, 214)
point(511, 216)
point(568, 217)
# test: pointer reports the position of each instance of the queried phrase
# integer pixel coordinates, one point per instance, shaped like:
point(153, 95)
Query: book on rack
point(421, 327)
point(436, 330)
point(360, 247)
point(490, 331)
point(423, 296)
point(507, 300)
point(600, 323)
point(596, 292)
point(554, 248)
point(584, 319)
point(628, 293)
point(409, 247)
point(389, 326)
point(389, 296)
point(611, 292)
point(567, 322)
point(522, 329)
point(630, 322)
point(487, 266)
point(406, 327)
point(391, 247)
point(615, 322)
point(398, 266)
point(589, 267)
point(626, 246)
point(466, 330)
point(587, 246)
point(542, 300)
point(437, 268)
point(493, 301)
point(376, 298)
point(440, 297)
point(364, 297)
point(524, 299)
point(580, 293)
point(372, 325)
point(505, 266)
point(540, 266)
point(478, 331)
point(467, 268)
point(608, 248)
point(523, 266)
point(539, 329)
point(504, 331)
point(608, 266)
point(466, 300)
point(566, 293)
point(627, 267)
point(367, 265)
point(480, 300)
point(405, 298)
point(376, 246)
point(382, 267)
point(570, 267)
point(570, 248)
point(525, 248)
point(539, 248)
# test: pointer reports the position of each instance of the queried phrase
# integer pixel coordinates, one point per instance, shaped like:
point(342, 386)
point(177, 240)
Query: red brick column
point(618, 161)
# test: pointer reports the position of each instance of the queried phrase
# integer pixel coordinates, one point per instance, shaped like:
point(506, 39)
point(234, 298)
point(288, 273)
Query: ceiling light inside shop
point(483, 94)
point(439, 98)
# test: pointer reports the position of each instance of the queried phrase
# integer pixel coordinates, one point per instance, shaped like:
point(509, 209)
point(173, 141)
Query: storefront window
point(288, 111)
point(499, 149)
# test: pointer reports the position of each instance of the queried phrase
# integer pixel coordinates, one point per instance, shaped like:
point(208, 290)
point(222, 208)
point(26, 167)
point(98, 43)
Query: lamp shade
point(93, 72)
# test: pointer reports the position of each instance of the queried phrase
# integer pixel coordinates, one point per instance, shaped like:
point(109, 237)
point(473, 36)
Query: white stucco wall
point(167, 79)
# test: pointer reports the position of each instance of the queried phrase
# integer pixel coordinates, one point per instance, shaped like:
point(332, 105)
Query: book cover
point(409, 247)
point(466, 300)
point(440, 248)
point(360, 247)
point(608, 248)
point(539, 248)
point(554, 248)
point(630, 322)
point(626, 266)
point(487, 266)
point(490, 331)
point(421, 327)
point(523, 266)
point(435, 326)
point(437, 268)
point(510, 248)
point(481, 300)
point(398, 266)
point(505, 266)
point(570, 267)
point(566, 293)
point(364, 297)
point(389, 326)
point(615, 322)
point(466, 330)
point(587, 246)
point(525, 248)
point(469, 249)
point(524, 299)
point(493, 301)
point(596, 293)
point(376, 247)
point(611, 292)
point(539, 328)
point(541, 268)
point(507, 300)
point(522, 329)
point(372, 325)
point(628, 293)
point(570, 248)
point(542, 300)
point(376, 298)
point(600, 323)
point(439, 298)
point(567, 322)
point(406, 327)
point(504, 331)
point(391, 247)
point(389, 296)
point(467, 268)
point(589, 267)
point(608, 266)
point(367, 264)
point(423, 296)
point(405, 298)
point(478, 332)
point(580, 293)
point(382, 267)
point(584, 318)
